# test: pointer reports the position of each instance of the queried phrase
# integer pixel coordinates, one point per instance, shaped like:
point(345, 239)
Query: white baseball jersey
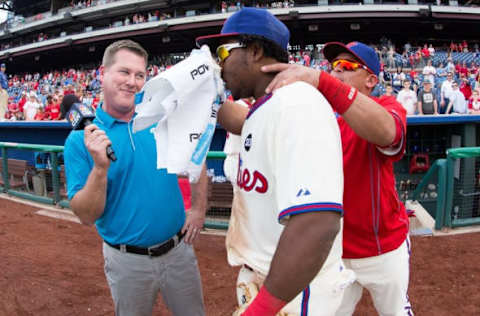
point(290, 163)
point(232, 150)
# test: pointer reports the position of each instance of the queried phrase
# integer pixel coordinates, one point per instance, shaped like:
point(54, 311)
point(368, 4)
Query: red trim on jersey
point(312, 207)
point(258, 104)
point(375, 220)
point(305, 301)
point(399, 132)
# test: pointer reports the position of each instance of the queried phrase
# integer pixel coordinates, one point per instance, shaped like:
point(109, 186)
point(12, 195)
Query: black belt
point(154, 251)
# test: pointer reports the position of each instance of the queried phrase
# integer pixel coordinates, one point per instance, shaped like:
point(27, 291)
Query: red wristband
point(340, 95)
point(264, 304)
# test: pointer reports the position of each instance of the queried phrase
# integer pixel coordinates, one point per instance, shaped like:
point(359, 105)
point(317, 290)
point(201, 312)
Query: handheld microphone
point(80, 116)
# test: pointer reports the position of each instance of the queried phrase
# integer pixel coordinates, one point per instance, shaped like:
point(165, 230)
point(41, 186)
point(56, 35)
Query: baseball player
point(376, 245)
point(287, 237)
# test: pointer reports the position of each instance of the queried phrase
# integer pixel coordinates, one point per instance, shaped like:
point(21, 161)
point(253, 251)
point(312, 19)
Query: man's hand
point(289, 73)
point(97, 142)
point(193, 225)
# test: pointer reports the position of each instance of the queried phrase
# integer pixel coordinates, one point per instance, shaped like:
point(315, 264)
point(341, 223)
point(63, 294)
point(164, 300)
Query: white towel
point(184, 101)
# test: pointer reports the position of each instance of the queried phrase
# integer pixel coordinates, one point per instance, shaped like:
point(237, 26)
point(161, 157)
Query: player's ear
point(371, 81)
point(255, 51)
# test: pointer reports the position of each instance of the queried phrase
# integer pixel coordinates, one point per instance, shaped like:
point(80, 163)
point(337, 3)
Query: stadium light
point(37, 58)
point(313, 27)
point(354, 26)
point(438, 26)
point(166, 39)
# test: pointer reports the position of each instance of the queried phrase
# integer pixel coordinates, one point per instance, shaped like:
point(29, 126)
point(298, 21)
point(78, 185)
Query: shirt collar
point(106, 119)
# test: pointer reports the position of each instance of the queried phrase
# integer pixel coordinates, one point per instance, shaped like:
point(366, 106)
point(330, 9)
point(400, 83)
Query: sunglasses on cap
point(223, 51)
point(348, 65)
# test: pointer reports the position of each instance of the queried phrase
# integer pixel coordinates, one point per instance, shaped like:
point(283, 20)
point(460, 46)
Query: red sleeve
point(399, 114)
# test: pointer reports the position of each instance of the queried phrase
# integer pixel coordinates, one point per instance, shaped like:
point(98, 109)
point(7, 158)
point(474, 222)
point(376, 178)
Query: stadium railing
point(456, 180)
point(215, 219)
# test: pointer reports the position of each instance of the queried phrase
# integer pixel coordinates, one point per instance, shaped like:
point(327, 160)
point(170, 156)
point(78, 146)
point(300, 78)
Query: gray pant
point(135, 281)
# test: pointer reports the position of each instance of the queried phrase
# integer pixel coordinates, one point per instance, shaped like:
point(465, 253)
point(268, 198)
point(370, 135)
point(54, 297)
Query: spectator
point(40, 115)
point(429, 71)
point(431, 50)
point(450, 65)
point(397, 79)
point(474, 103)
point(453, 47)
point(53, 108)
point(427, 100)
point(465, 87)
point(389, 90)
point(463, 69)
point(31, 107)
point(457, 101)
point(445, 91)
point(441, 72)
point(390, 58)
point(425, 54)
point(407, 98)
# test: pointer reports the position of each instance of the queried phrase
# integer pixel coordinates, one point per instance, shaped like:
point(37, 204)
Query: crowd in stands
point(37, 97)
point(449, 74)
point(429, 87)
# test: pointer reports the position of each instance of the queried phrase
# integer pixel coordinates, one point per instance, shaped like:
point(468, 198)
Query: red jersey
point(466, 90)
point(425, 52)
point(40, 116)
point(375, 220)
point(53, 111)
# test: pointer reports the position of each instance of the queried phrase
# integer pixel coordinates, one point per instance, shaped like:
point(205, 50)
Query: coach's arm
point(366, 117)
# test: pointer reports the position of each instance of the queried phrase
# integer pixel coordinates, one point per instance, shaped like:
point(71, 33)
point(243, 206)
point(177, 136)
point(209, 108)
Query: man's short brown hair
point(112, 49)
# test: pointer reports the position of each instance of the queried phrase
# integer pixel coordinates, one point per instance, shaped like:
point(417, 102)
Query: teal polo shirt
point(144, 205)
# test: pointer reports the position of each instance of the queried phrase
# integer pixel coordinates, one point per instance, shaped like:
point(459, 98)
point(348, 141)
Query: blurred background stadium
point(54, 47)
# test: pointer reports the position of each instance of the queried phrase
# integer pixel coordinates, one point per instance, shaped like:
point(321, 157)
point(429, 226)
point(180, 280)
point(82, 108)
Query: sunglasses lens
point(222, 53)
point(345, 64)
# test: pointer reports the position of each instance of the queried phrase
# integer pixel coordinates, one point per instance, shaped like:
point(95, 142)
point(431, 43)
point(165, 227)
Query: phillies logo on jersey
point(249, 181)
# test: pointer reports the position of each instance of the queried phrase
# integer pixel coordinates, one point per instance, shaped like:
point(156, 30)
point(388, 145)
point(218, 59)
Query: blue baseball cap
point(2, 66)
point(364, 53)
point(250, 21)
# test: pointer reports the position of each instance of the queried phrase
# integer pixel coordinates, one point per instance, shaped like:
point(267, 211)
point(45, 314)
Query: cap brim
point(213, 41)
point(333, 49)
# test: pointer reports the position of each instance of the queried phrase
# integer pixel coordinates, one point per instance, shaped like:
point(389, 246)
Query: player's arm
point(196, 215)
point(231, 116)
point(303, 247)
point(366, 117)
point(89, 202)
